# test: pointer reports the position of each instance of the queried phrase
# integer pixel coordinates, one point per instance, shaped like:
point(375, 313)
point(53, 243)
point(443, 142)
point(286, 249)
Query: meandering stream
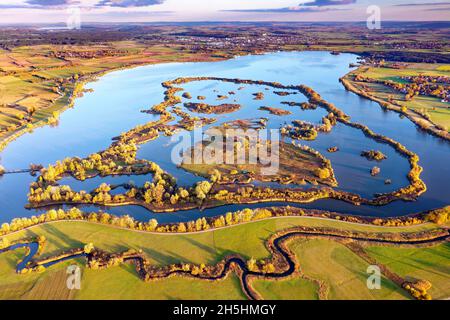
point(114, 106)
point(277, 248)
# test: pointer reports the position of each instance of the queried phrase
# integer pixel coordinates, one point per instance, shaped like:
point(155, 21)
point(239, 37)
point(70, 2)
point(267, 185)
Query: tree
point(183, 193)
point(215, 176)
point(40, 269)
point(174, 198)
point(181, 227)
point(269, 268)
point(201, 189)
point(4, 243)
point(205, 225)
point(41, 239)
point(152, 224)
point(148, 196)
point(198, 224)
point(229, 218)
point(158, 193)
point(251, 264)
point(88, 248)
point(246, 214)
point(423, 285)
point(104, 218)
point(323, 173)
point(439, 216)
point(52, 215)
point(219, 222)
point(5, 227)
point(104, 187)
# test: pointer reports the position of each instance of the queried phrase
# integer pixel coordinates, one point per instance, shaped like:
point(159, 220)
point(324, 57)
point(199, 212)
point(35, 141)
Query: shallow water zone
point(115, 104)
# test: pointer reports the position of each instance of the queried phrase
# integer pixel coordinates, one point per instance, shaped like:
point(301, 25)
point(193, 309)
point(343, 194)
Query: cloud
point(48, 3)
point(280, 10)
point(40, 4)
point(135, 14)
point(438, 9)
point(13, 6)
point(314, 6)
point(323, 3)
point(128, 3)
point(299, 9)
point(422, 4)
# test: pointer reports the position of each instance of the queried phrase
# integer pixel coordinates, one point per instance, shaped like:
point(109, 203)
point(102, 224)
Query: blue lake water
point(114, 107)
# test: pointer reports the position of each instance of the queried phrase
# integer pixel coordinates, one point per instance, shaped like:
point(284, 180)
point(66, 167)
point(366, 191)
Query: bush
point(4, 243)
point(323, 173)
point(88, 248)
point(439, 216)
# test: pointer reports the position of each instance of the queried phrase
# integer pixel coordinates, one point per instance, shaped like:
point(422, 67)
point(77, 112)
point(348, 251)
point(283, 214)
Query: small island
point(374, 155)
point(275, 111)
point(210, 109)
point(258, 96)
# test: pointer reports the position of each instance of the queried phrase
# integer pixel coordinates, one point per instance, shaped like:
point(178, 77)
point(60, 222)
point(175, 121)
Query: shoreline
point(419, 121)
point(151, 130)
point(268, 213)
point(10, 137)
point(79, 88)
point(220, 228)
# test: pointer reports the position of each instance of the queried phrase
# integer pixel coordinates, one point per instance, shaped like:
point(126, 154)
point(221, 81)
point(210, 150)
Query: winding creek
point(33, 248)
point(276, 246)
point(116, 101)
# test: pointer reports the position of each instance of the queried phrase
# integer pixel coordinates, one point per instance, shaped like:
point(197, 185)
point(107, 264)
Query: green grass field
point(432, 264)
point(29, 74)
point(344, 273)
point(206, 247)
point(323, 259)
point(295, 165)
point(439, 111)
point(119, 282)
point(122, 283)
point(293, 289)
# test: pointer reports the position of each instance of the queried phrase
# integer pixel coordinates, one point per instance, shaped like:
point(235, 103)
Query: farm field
point(316, 257)
point(438, 111)
point(294, 289)
point(429, 263)
point(39, 82)
point(348, 278)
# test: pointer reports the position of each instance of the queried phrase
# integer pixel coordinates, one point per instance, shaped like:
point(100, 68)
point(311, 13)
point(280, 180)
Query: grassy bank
point(343, 273)
point(438, 112)
point(38, 82)
point(208, 247)
point(431, 264)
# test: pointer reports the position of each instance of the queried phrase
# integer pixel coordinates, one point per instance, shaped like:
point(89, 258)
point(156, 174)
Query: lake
point(118, 97)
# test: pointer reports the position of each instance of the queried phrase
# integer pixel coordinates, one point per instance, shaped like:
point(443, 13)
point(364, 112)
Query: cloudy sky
point(55, 11)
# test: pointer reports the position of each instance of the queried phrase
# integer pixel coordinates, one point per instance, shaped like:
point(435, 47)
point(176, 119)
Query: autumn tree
point(4, 243)
point(251, 264)
point(152, 224)
point(181, 227)
point(5, 228)
point(88, 248)
point(202, 189)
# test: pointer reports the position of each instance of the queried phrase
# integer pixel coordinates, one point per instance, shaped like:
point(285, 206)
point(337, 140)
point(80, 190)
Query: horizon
point(162, 11)
point(205, 22)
